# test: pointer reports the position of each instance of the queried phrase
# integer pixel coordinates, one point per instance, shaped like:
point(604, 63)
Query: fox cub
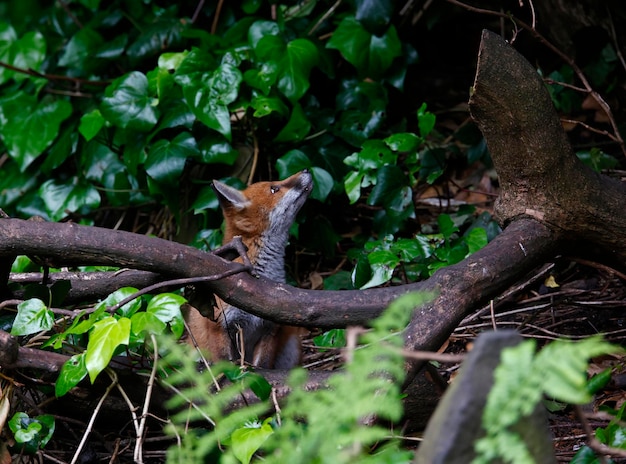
point(262, 215)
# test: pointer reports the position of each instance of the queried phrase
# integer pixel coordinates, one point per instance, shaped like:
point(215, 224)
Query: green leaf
point(32, 316)
point(214, 149)
point(114, 298)
point(127, 104)
point(146, 322)
point(90, 124)
point(476, 239)
point(72, 196)
point(106, 336)
point(15, 184)
point(369, 54)
point(264, 106)
point(374, 15)
point(297, 128)
point(446, 226)
point(28, 52)
point(403, 142)
point(209, 94)
point(166, 159)
point(334, 338)
point(382, 263)
point(72, 372)
point(425, 120)
point(294, 61)
point(28, 127)
point(564, 367)
point(247, 440)
point(166, 308)
point(32, 433)
point(352, 185)
point(81, 48)
point(260, 29)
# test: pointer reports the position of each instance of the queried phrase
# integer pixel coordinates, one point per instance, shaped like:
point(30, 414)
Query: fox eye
point(274, 188)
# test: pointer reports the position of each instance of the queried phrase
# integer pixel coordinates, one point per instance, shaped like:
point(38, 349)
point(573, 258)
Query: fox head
point(262, 215)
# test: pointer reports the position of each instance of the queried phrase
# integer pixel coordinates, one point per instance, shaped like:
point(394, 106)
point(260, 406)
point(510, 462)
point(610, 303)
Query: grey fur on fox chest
point(266, 253)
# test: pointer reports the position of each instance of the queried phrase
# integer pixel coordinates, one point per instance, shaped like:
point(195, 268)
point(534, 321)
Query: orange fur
point(261, 215)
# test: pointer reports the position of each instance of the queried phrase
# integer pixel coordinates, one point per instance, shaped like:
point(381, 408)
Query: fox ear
point(230, 197)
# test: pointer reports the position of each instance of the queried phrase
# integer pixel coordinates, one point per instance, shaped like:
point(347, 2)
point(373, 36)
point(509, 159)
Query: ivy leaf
point(382, 264)
point(294, 62)
point(264, 106)
point(106, 335)
point(14, 184)
point(126, 103)
point(72, 372)
point(300, 57)
point(90, 124)
point(374, 15)
point(446, 225)
point(166, 308)
point(296, 128)
point(209, 94)
point(166, 159)
point(425, 120)
point(28, 52)
point(69, 197)
point(476, 239)
point(28, 127)
point(247, 440)
point(32, 316)
point(114, 298)
point(81, 48)
point(214, 149)
point(369, 54)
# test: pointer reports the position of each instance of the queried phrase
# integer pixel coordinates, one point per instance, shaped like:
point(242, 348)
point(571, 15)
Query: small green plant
point(521, 380)
point(419, 256)
point(327, 425)
point(108, 333)
point(31, 433)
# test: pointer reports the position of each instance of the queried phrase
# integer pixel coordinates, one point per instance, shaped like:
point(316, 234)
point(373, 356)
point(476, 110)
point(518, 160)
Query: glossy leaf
point(72, 372)
point(215, 149)
point(296, 128)
point(90, 124)
point(32, 316)
point(105, 337)
point(28, 127)
point(166, 308)
point(81, 48)
point(374, 15)
point(114, 298)
point(247, 440)
point(27, 52)
point(127, 104)
point(208, 95)
point(166, 159)
point(72, 196)
point(369, 54)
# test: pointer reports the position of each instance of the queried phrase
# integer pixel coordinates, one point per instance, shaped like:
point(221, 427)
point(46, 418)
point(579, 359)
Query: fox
point(261, 215)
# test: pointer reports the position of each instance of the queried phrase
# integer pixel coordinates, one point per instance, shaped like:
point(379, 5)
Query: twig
point(432, 356)
point(324, 17)
point(93, 418)
point(196, 13)
point(146, 404)
point(53, 77)
point(255, 158)
point(178, 283)
point(216, 18)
